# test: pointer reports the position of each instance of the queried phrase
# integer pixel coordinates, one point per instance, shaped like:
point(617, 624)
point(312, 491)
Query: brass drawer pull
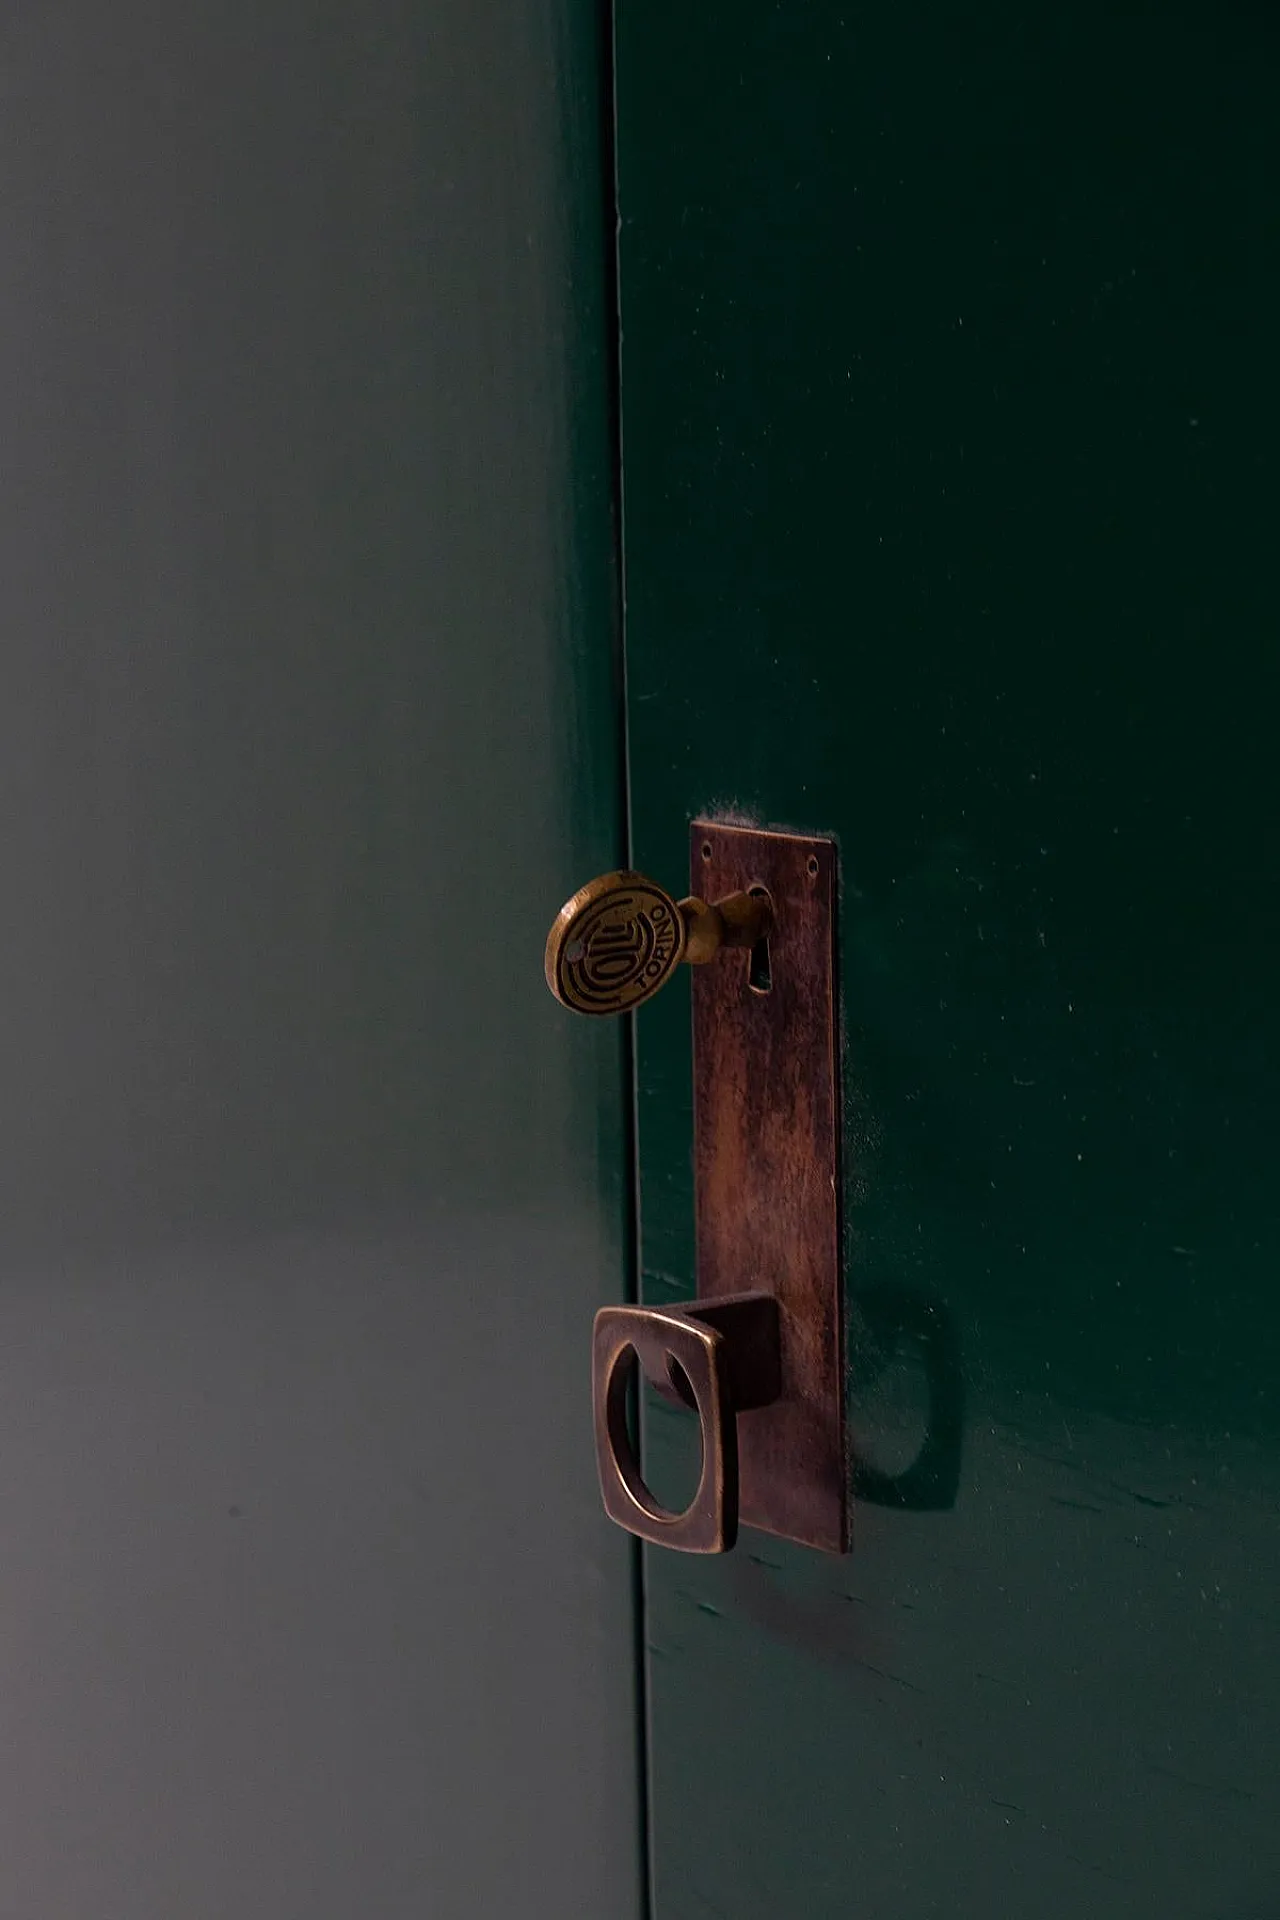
point(727, 1350)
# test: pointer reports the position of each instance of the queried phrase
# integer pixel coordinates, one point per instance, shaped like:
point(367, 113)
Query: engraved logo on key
point(619, 950)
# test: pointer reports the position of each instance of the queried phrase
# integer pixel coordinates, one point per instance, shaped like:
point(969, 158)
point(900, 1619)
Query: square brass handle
point(728, 1352)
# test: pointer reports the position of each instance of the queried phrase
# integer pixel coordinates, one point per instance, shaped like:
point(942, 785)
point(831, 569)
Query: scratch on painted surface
point(1201, 1786)
point(1091, 1866)
point(882, 1674)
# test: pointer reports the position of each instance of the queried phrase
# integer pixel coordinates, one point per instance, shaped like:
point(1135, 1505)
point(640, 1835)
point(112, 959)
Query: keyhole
point(760, 972)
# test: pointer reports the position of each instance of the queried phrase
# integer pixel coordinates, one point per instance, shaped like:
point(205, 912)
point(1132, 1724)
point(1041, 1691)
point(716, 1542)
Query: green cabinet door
point(950, 412)
point(307, 707)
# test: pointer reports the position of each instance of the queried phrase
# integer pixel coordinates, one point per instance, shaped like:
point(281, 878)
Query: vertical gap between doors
point(612, 309)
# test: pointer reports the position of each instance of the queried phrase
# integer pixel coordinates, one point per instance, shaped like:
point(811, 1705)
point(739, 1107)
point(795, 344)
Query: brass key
point(621, 938)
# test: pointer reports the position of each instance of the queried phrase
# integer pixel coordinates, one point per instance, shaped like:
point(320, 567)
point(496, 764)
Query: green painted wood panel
point(308, 631)
point(950, 406)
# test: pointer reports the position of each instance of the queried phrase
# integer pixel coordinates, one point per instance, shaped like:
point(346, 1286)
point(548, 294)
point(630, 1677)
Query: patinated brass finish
point(759, 1354)
point(621, 938)
point(767, 1173)
point(728, 1353)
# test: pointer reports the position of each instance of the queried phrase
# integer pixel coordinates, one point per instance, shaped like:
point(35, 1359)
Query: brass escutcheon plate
point(767, 1167)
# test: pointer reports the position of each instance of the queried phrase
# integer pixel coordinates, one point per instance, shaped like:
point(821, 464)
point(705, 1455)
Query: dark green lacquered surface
point(950, 408)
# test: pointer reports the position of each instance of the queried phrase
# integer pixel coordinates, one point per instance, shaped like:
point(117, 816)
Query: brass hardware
point(728, 1352)
point(761, 1348)
point(767, 1173)
point(621, 938)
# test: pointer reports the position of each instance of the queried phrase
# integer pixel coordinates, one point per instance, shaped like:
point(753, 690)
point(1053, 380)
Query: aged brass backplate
point(767, 1160)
